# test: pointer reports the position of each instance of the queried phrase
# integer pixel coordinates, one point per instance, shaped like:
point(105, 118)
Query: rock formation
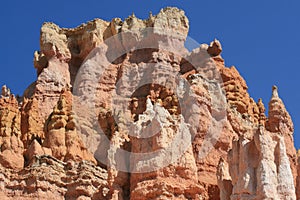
point(122, 110)
point(10, 131)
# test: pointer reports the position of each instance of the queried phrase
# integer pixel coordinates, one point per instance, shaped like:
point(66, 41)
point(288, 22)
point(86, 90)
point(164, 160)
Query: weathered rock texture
point(44, 154)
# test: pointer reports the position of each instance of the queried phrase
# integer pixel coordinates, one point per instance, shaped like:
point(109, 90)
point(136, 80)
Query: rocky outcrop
point(183, 169)
point(261, 166)
point(61, 135)
point(122, 110)
point(215, 48)
point(49, 178)
point(11, 146)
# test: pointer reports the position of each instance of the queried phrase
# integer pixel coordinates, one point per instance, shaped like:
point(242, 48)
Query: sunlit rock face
point(122, 109)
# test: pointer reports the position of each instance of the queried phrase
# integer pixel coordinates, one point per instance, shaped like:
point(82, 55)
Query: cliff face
point(262, 166)
point(122, 110)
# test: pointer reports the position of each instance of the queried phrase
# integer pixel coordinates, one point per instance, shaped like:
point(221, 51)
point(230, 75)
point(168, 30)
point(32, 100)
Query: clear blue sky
point(261, 38)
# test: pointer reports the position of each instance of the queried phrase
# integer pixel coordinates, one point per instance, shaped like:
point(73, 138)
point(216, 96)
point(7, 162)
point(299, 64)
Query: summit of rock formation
point(122, 110)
